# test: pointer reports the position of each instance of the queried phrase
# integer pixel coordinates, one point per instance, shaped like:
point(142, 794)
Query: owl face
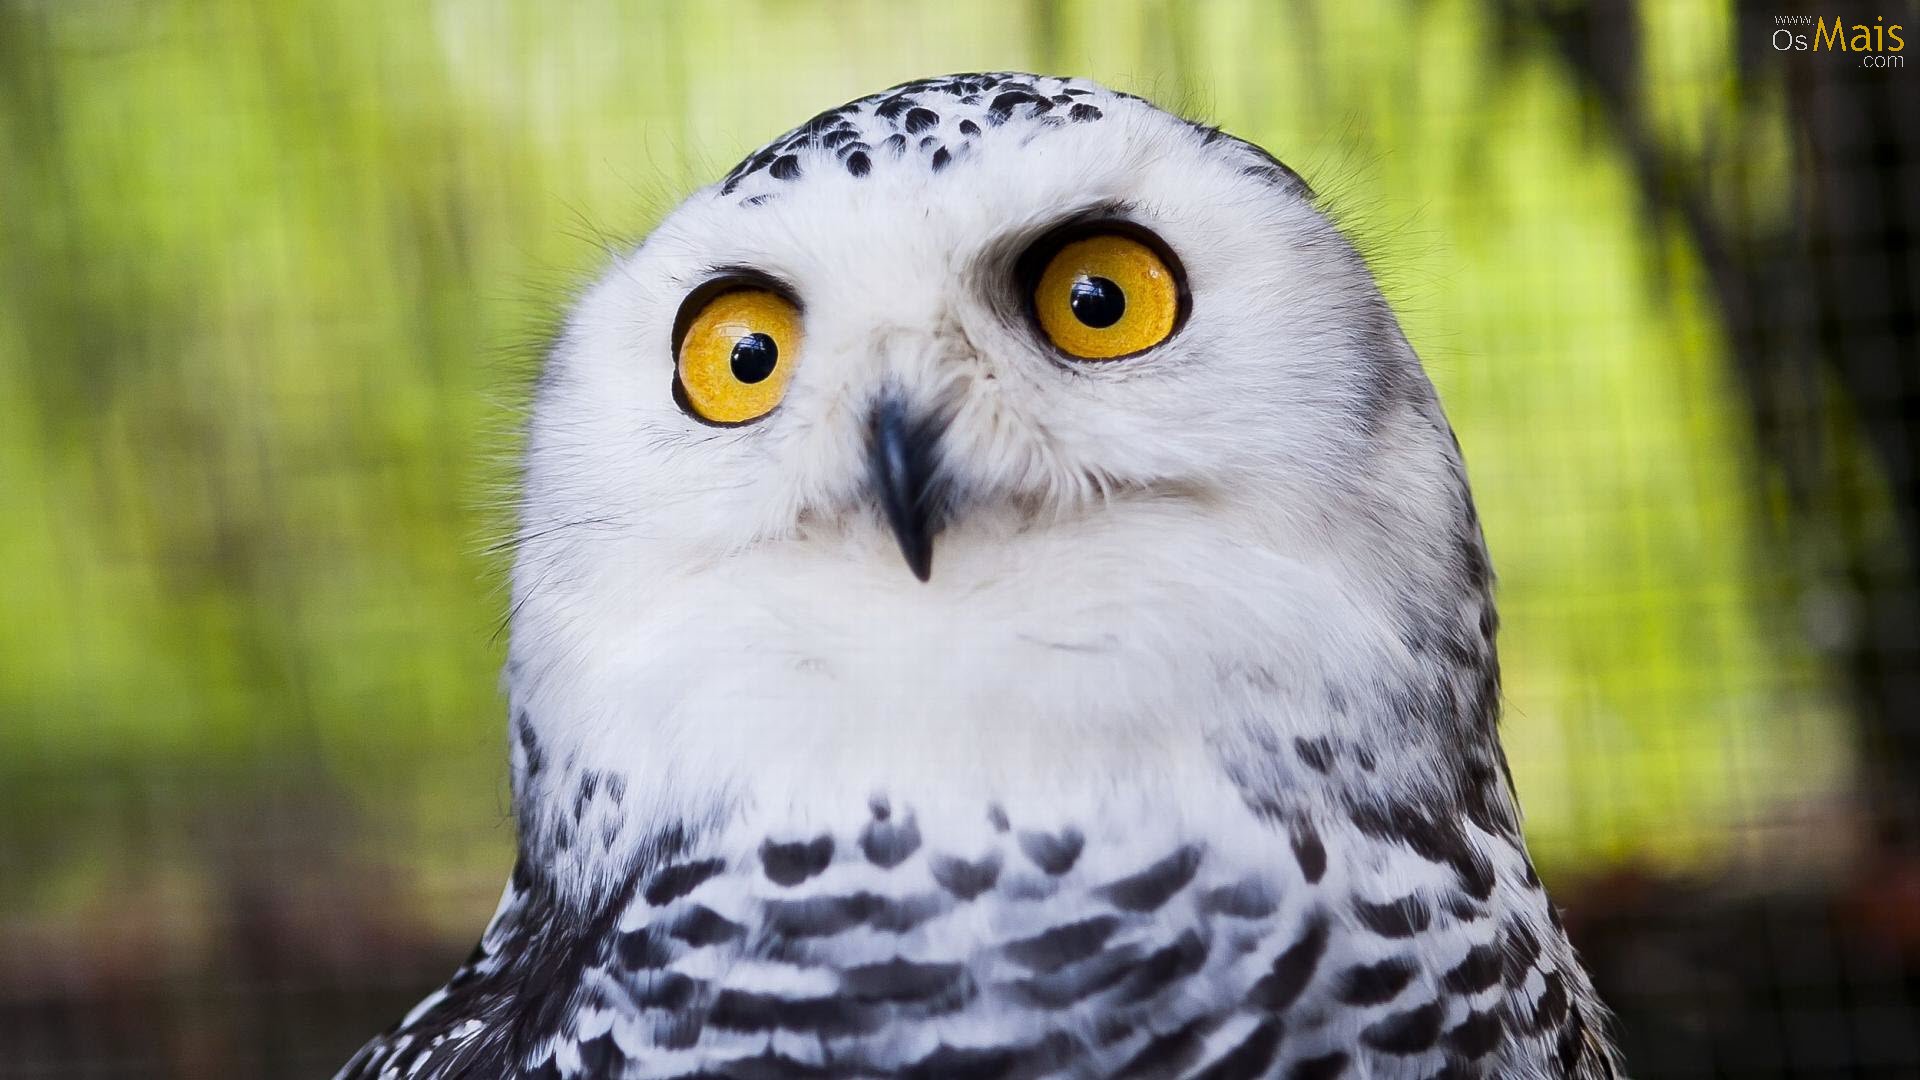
point(962, 310)
point(994, 434)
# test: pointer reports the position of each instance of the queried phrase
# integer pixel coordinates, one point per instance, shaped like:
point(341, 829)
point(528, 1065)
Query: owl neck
point(1179, 673)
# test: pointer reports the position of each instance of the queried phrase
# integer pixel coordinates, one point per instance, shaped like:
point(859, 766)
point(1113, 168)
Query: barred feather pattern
point(1385, 945)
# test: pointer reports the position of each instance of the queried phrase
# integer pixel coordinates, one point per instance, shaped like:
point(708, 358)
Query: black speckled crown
point(927, 124)
point(931, 123)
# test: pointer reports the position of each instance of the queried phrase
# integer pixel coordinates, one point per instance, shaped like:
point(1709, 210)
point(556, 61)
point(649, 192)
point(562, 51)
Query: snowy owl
point(997, 596)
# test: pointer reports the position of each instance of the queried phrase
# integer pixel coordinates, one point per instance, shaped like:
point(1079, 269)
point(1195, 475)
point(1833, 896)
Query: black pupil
point(1097, 302)
point(753, 358)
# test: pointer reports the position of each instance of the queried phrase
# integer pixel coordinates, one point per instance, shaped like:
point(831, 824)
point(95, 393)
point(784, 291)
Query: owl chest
point(902, 955)
point(1043, 953)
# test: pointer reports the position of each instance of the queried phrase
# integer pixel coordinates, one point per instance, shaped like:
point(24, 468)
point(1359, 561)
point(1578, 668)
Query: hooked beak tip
point(921, 563)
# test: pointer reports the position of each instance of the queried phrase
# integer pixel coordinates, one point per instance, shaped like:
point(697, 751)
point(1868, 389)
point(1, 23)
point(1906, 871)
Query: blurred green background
point(273, 283)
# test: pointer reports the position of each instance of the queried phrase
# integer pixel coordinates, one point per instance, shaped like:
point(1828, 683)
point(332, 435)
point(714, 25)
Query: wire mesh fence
point(276, 278)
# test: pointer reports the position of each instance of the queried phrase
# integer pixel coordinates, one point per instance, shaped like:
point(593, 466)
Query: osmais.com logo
point(1878, 44)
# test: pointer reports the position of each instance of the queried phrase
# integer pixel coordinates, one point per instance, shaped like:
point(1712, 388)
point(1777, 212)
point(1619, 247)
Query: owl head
point(991, 394)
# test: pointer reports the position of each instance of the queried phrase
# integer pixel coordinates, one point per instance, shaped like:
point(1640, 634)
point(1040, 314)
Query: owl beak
point(903, 452)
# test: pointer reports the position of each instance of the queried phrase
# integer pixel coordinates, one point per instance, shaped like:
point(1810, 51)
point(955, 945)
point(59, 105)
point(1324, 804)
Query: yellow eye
point(736, 355)
point(1107, 295)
